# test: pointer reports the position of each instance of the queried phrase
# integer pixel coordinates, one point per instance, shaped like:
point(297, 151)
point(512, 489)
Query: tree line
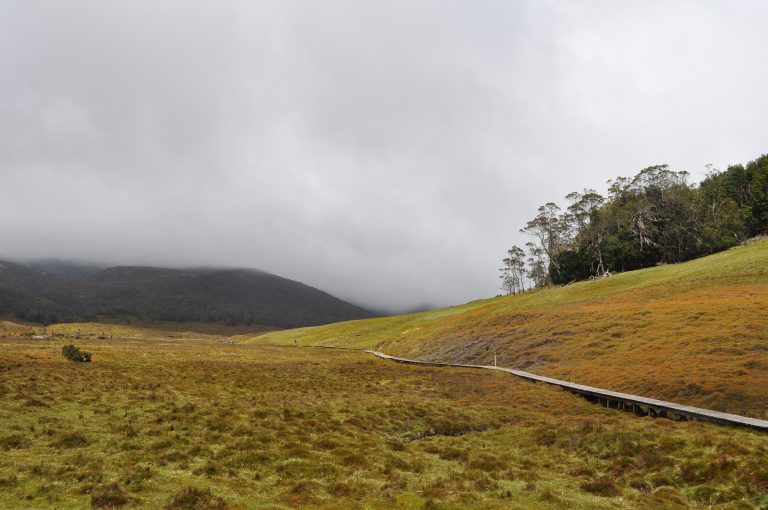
point(657, 216)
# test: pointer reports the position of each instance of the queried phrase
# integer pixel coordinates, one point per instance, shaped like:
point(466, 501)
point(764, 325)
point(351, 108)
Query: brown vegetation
point(694, 333)
point(200, 424)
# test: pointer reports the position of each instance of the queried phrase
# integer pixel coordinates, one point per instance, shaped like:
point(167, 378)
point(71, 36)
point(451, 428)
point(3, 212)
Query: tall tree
point(657, 216)
point(536, 269)
point(507, 282)
point(588, 227)
point(550, 233)
point(513, 271)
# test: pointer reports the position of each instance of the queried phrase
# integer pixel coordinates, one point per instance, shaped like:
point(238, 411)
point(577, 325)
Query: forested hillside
point(657, 216)
point(225, 296)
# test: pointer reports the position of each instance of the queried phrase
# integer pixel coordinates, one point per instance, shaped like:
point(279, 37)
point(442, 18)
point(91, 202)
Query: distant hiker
point(294, 343)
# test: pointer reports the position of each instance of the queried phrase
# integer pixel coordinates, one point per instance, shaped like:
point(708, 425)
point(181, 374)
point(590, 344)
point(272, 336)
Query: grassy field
point(694, 333)
point(96, 330)
point(200, 424)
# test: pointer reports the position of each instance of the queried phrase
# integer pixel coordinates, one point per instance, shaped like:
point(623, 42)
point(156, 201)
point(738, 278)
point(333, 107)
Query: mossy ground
point(176, 423)
point(694, 333)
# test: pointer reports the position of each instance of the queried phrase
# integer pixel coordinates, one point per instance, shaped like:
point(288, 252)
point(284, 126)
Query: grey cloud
point(387, 152)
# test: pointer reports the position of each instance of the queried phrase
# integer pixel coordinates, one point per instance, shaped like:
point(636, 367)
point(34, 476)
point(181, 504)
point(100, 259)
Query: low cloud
point(387, 152)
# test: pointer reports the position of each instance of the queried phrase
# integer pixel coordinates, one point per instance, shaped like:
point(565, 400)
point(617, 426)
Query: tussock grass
point(198, 424)
point(101, 331)
point(694, 333)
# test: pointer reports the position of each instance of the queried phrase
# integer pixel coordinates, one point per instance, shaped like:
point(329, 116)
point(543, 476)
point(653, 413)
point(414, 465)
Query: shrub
point(13, 441)
point(72, 353)
point(667, 497)
point(340, 489)
point(545, 437)
point(136, 477)
point(71, 440)
point(193, 498)
point(209, 469)
point(302, 494)
point(487, 462)
point(602, 487)
point(109, 496)
point(9, 481)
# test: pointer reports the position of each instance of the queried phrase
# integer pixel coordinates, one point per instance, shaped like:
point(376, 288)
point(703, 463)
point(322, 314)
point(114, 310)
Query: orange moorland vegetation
point(694, 333)
point(85, 330)
point(180, 424)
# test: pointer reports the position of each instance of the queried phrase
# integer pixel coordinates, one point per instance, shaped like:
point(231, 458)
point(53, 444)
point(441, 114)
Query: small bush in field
point(71, 440)
point(192, 498)
point(109, 496)
point(602, 487)
point(136, 477)
point(13, 441)
point(72, 353)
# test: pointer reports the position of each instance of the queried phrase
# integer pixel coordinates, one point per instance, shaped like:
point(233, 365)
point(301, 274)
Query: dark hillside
point(233, 296)
point(64, 268)
point(35, 296)
point(227, 296)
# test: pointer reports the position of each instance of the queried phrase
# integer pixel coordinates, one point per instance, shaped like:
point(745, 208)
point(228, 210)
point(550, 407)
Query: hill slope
point(230, 296)
point(694, 333)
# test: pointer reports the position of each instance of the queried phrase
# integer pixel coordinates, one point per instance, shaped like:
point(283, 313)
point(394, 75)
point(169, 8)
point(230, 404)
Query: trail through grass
point(694, 333)
point(154, 424)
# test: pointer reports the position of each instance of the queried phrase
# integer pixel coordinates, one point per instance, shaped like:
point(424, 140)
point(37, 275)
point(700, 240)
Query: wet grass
point(199, 424)
point(694, 333)
point(158, 330)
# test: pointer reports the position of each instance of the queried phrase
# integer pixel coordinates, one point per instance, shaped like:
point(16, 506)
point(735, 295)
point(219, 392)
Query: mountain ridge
point(46, 292)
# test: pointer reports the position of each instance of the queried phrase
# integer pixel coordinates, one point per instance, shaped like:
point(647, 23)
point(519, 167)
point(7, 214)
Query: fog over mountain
point(48, 292)
point(385, 152)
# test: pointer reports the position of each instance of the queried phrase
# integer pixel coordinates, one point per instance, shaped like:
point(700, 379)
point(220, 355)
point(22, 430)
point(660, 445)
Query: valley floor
point(694, 333)
point(178, 422)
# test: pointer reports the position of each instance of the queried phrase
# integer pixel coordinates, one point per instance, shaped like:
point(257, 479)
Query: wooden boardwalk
point(613, 399)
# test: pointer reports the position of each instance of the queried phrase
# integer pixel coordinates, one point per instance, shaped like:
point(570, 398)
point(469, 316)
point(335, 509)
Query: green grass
point(94, 330)
point(178, 423)
point(186, 421)
point(696, 333)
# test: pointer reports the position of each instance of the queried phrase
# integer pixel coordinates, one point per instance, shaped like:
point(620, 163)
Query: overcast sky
point(385, 151)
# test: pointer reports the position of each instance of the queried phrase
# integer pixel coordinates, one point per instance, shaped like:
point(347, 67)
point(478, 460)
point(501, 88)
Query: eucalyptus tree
point(657, 216)
point(513, 271)
point(550, 232)
point(589, 227)
point(536, 266)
